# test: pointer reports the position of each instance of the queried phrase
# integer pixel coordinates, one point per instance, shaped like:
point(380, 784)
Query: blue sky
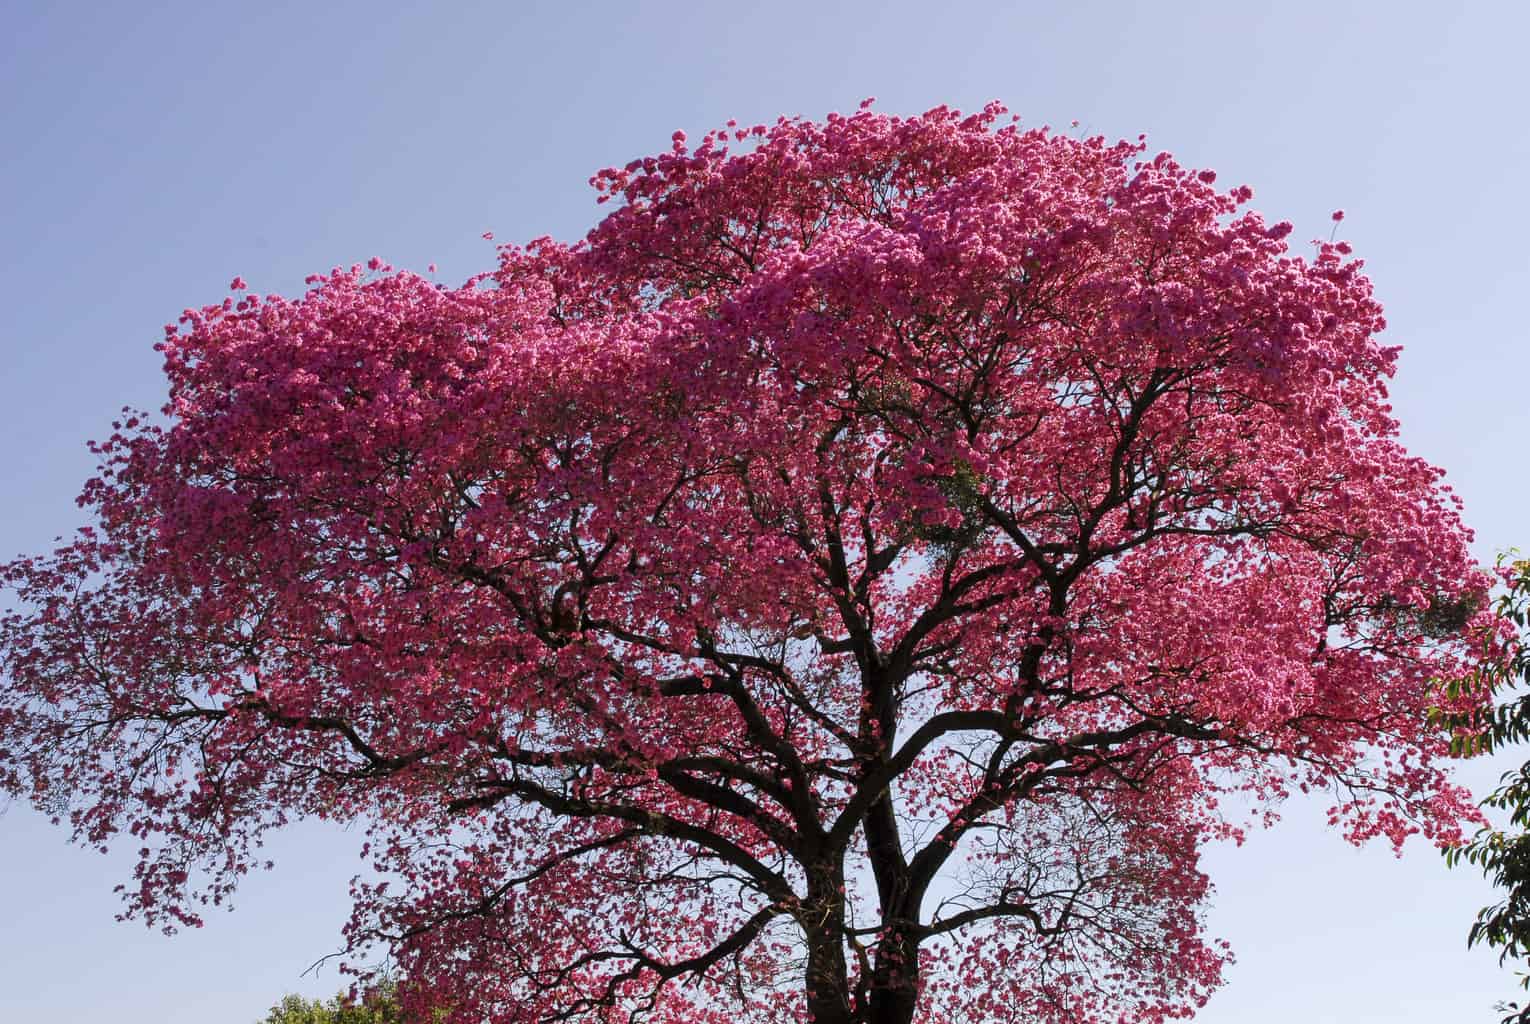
point(152, 152)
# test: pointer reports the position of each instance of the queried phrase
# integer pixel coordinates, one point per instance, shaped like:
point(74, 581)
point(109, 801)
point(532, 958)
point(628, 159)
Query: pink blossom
point(899, 507)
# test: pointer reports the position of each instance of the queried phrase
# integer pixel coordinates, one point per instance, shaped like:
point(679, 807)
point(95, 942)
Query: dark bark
point(894, 988)
point(823, 921)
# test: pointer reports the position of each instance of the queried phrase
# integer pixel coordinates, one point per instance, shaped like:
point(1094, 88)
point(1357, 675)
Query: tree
point(379, 1006)
point(1503, 853)
point(840, 589)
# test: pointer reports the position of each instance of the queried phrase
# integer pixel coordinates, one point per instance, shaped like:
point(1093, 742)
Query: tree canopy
point(378, 1006)
point(842, 588)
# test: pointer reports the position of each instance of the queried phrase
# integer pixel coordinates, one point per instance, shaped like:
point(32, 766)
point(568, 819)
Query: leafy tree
point(1503, 853)
point(379, 1006)
point(840, 589)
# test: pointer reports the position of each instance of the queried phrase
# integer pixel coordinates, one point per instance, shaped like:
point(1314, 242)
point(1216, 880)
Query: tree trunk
point(892, 994)
point(895, 979)
point(826, 978)
point(828, 988)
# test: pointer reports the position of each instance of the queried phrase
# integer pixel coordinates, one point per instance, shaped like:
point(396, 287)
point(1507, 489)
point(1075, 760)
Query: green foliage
point(964, 492)
point(1503, 854)
point(380, 1006)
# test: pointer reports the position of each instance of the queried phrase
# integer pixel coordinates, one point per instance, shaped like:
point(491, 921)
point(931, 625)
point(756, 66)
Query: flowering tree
point(840, 589)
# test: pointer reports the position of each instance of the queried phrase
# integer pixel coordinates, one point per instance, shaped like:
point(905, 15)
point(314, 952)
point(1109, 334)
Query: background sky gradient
point(153, 151)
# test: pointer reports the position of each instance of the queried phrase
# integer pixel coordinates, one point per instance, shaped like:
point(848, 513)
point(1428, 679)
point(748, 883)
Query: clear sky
point(152, 151)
